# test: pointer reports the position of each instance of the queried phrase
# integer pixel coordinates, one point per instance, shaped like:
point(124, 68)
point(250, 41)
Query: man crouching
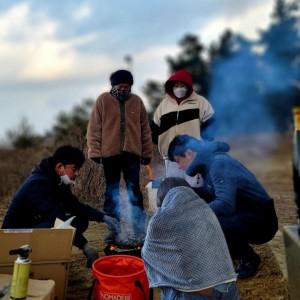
point(185, 251)
point(46, 195)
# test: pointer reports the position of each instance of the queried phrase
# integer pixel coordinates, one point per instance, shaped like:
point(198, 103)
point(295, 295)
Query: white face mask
point(65, 179)
point(180, 92)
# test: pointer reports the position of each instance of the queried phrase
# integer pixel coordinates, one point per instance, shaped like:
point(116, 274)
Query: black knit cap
point(69, 155)
point(121, 76)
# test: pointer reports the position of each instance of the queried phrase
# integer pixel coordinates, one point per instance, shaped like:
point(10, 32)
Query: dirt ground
point(269, 157)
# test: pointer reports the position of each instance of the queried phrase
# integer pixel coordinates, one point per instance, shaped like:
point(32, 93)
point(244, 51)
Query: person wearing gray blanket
point(185, 251)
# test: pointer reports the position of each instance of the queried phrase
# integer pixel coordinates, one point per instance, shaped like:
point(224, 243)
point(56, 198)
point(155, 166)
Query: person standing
point(119, 137)
point(182, 111)
point(244, 209)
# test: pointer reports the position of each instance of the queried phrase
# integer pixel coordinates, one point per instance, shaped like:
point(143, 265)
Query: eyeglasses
point(73, 168)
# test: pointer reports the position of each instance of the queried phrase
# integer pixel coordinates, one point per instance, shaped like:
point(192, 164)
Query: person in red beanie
point(182, 111)
point(119, 137)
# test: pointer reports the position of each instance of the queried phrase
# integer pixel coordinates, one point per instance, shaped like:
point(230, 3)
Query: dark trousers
point(244, 228)
point(81, 225)
point(114, 166)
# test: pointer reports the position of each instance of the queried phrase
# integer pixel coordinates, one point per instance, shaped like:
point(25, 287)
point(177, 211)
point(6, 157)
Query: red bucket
point(120, 277)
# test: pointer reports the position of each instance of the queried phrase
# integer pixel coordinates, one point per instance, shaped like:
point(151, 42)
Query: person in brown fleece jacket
point(119, 137)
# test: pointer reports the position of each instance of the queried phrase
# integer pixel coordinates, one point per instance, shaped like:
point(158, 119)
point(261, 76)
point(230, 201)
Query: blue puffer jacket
point(42, 198)
point(229, 187)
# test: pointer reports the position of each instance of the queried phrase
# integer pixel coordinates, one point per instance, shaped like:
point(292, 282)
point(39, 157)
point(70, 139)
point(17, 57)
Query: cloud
point(254, 15)
point(82, 12)
point(151, 63)
point(43, 57)
point(57, 60)
point(37, 54)
point(42, 73)
point(31, 49)
point(21, 23)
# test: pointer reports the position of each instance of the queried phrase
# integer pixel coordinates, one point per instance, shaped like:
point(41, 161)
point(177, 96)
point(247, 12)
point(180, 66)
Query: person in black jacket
point(46, 195)
point(244, 209)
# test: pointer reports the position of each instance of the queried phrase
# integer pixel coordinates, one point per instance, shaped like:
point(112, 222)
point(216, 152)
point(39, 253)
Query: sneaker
point(248, 266)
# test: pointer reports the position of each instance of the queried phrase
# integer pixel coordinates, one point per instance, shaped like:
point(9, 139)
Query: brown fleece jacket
point(106, 138)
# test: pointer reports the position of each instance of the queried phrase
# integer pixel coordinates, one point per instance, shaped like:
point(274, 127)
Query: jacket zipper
point(177, 117)
point(122, 125)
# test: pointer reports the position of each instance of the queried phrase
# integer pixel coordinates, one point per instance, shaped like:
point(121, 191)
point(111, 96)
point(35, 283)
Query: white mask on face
point(180, 92)
point(65, 179)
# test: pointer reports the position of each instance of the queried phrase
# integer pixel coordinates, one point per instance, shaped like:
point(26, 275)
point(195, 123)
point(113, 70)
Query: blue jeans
point(168, 293)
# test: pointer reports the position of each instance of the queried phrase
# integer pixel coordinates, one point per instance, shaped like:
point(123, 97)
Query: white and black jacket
point(191, 116)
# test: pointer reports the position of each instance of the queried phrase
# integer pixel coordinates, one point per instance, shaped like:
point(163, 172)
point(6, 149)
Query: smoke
point(132, 220)
point(251, 92)
point(113, 206)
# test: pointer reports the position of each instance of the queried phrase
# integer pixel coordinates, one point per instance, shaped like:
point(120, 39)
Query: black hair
point(180, 144)
point(121, 76)
point(166, 185)
point(68, 154)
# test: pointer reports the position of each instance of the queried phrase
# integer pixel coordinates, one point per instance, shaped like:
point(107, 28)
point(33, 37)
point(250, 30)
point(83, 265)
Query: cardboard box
point(51, 253)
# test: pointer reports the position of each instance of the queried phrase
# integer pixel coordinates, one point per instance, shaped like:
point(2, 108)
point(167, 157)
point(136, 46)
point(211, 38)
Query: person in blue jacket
point(46, 195)
point(244, 209)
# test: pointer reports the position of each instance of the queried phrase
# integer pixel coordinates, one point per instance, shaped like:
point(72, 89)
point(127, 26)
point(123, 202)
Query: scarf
point(121, 95)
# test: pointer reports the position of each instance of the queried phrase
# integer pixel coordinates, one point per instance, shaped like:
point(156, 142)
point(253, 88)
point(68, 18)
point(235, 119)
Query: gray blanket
point(185, 247)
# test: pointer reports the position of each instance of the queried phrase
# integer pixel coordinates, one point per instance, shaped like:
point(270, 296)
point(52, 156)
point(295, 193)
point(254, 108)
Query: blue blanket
point(185, 247)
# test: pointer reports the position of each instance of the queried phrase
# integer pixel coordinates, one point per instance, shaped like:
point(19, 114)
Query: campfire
point(125, 243)
point(112, 249)
point(129, 238)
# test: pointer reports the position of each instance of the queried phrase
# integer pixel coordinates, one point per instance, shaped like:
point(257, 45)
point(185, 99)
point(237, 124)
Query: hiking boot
point(248, 266)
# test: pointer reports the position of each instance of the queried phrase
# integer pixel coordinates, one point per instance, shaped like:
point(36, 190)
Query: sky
point(54, 54)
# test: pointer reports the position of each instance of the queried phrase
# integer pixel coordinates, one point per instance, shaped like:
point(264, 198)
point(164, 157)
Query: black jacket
point(42, 198)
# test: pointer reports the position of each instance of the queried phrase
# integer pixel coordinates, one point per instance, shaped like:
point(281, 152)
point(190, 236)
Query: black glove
point(112, 224)
point(145, 161)
point(97, 160)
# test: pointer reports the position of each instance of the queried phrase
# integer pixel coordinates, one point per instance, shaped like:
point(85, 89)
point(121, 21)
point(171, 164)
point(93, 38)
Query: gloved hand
point(112, 224)
point(145, 161)
point(91, 254)
point(97, 160)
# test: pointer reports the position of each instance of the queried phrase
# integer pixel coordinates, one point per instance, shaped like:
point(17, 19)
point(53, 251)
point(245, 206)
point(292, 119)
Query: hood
point(196, 249)
point(183, 76)
point(46, 168)
point(205, 154)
